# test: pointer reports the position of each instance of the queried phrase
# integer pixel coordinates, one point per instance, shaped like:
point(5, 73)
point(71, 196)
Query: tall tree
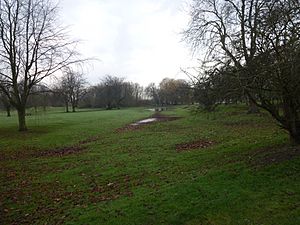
point(261, 39)
point(33, 46)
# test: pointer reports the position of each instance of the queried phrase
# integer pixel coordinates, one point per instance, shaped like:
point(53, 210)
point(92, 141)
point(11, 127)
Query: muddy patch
point(89, 140)
point(157, 117)
point(68, 150)
point(58, 152)
point(200, 144)
point(272, 155)
point(33, 152)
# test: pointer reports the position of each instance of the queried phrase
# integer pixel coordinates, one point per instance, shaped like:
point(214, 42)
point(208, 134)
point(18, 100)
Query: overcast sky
point(136, 39)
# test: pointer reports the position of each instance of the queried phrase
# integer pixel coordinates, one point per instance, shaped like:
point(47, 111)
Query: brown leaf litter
point(194, 145)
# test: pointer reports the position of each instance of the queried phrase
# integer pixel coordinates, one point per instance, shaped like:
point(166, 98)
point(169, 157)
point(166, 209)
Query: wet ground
point(156, 117)
point(145, 121)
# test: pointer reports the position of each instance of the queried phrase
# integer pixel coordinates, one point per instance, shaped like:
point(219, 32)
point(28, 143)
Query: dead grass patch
point(200, 144)
point(272, 155)
point(58, 152)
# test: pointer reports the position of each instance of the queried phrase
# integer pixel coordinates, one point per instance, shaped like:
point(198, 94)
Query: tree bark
point(252, 107)
point(108, 106)
point(73, 108)
point(67, 107)
point(8, 111)
point(21, 117)
point(295, 137)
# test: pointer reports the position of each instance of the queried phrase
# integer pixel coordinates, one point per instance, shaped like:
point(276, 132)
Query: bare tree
point(174, 91)
point(261, 39)
point(137, 92)
point(153, 92)
point(115, 91)
point(33, 46)
point(72, 87)
point(39, 97)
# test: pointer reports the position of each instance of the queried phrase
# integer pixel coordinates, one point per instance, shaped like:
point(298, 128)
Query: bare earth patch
point(272, 155)
point(89, 140)
point(194, 145)
point(62, 151)
point(67, 150)
point(156, 117)
point(29, 151)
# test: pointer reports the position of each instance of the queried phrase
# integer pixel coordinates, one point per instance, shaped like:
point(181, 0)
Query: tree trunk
point(22, 120)
point(67, 107)
point(108, 106)
point(73, 108)
point(136, 99)
point(295, 137)
point(294, 130)
point(252, 107)
point(8, 110)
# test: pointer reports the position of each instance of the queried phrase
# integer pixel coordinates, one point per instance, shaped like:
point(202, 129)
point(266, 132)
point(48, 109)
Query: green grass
point(138, 177)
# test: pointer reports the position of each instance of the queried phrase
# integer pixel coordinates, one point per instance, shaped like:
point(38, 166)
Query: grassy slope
point(137, 177)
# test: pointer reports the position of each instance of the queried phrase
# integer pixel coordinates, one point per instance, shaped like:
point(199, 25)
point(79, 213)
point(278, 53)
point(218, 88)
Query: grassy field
point(77, 168)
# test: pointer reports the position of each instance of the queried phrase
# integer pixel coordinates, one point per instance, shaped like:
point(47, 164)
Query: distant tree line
point(170, 92)
point(112, 92)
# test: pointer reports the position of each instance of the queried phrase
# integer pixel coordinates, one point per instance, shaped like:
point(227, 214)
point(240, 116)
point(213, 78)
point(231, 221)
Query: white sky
point(136, 39)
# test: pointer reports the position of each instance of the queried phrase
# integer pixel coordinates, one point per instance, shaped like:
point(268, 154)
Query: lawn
point(214, 169)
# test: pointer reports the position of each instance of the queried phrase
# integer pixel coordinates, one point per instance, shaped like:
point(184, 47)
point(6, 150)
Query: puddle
point(152, 110)
point(149, 120)
point(159, 109)
point(156, 117)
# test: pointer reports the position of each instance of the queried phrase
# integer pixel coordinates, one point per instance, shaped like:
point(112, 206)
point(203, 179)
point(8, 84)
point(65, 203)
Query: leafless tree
point(152, 91)
point(33, 46)
point(115, 91)
point(137, 92)
point(261, 39)
point(39, 97)
point(72, 87)
point(174, 91)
